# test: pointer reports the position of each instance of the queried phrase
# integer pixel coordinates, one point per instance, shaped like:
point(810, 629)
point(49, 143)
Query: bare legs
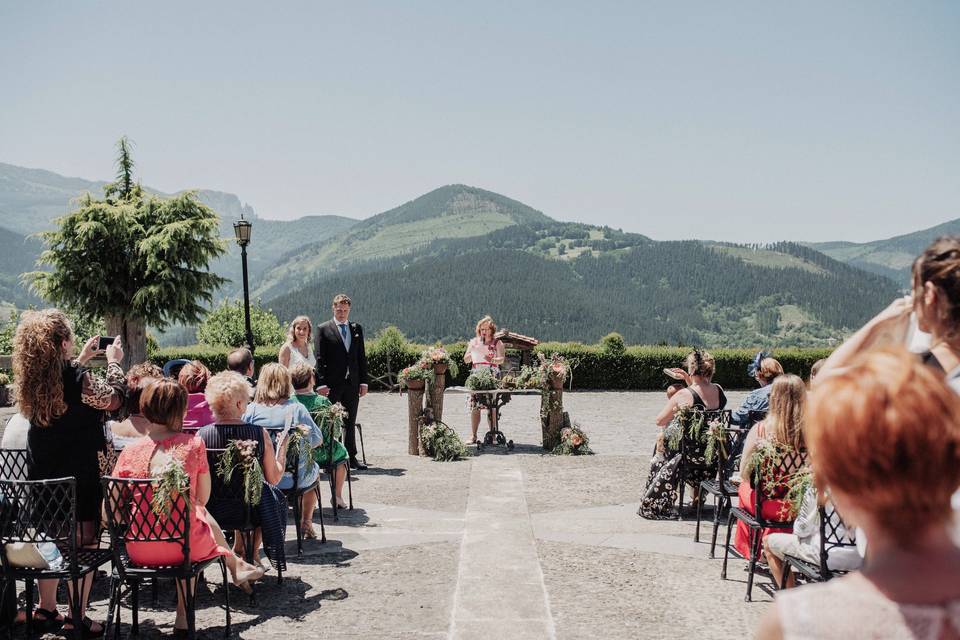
point(475, 423)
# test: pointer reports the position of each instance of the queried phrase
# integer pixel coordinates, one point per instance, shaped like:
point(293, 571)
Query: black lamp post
point(242, 229)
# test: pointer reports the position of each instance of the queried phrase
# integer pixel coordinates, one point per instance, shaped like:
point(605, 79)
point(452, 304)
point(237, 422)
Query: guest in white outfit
point(298, 349)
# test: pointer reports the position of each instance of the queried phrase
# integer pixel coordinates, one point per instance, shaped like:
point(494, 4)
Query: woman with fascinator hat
point(764, 370)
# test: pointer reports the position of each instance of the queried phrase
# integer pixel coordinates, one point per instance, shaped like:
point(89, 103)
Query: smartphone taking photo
point(105, 341)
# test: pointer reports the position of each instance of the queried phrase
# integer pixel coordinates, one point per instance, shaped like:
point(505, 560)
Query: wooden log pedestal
point(551, 417)
point(418, 400)
point(435, 394)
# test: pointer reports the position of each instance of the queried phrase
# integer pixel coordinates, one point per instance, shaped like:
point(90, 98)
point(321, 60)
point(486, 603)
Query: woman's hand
point(88, 351)
point(115, 351)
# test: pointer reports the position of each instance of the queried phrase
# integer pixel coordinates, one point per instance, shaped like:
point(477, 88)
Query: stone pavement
point(519, 545)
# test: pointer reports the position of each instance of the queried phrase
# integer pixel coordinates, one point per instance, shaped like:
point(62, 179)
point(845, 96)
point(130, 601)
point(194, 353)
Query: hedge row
point(636, 368)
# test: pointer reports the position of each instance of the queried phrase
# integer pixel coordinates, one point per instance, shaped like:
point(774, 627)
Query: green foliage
point(171, 482)
point(214, 358)
point(612, 344)
point(481, 379)
point(441, 442)
point(225, 326)
point(573, 442)
point(241, 454)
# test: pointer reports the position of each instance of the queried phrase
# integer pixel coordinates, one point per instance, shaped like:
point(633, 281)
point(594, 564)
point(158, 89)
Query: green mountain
point(892, 257)
point(18, 256)
point(453, 211)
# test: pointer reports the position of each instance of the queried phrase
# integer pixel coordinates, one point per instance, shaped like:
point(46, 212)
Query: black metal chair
point(131, 519)
point(331, 470)
point(295, 495)
point(720, 486)
point(33, 512)
point(832, 537)
point(13, 464)
point(693, 467)
point(791, 461)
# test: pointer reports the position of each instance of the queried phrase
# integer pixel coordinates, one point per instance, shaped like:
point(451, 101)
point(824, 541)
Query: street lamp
point(242, 229)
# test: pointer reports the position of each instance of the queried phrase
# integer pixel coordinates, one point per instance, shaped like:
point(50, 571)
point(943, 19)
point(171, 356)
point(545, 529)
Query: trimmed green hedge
point(638, 368)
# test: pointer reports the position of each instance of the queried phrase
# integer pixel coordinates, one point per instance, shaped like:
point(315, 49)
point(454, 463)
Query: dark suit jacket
point(336, 367)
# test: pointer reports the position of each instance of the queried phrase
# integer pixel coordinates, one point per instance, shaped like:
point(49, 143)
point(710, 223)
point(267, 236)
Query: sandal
point(51, 619)
point(87, 631)
point(306, 530)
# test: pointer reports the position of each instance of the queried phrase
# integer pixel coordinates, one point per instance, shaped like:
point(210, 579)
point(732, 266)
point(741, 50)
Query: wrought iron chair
point(295, 494)
point(131, 519)
point(832, 537)
point(693, 467)
point(41, 511)
point(720, 486)
point(13, 464)
point(791, 462)
point(331, 470)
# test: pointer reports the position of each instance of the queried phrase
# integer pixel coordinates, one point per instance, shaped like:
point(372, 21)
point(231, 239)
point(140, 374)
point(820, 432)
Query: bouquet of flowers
point(243, 454)
point(438, 357)
point(481, 379)
point(419, 374)
point(573, 442)
point(298, 444)
point(768, 460)
point(529, 378)
point(439, 441)
point(172, 481)
point(553, 371)
point(331, 419)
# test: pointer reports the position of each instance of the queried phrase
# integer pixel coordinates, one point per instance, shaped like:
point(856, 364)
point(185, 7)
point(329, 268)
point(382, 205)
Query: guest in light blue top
point(764, 370)
point(275, 409)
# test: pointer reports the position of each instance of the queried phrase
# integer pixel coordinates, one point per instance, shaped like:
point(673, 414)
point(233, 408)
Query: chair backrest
point(832, 536)
point(131, 518)
point(754, 416)
point(34, 511)
point(771, 478)
point(728, 461)
point(13, 464)
point(228, 496)
point(696, 436)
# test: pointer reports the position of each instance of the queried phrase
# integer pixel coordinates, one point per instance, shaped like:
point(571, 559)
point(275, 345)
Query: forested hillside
point(672, 292)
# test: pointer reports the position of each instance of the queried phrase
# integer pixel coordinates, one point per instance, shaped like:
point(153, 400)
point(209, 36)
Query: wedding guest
point(660, 491)
point(298, 348)
point(303, 378)
point(783, 427)
point(120, 433)
point(935, 302)
point(815, 371)
point(241, 361)
point(194, 376)
point(66, 408)
point(228, 395)
point(764, 370)
point(483, 351)
point(163, 403)
point(884, 437)
point(342, 368)
point(275, 408)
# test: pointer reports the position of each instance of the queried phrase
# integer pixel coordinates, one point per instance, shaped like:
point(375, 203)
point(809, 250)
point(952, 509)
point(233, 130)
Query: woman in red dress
point(164, 403)
point(783, 428)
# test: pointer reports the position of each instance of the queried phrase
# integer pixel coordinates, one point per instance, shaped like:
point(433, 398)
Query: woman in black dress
point(66, 407)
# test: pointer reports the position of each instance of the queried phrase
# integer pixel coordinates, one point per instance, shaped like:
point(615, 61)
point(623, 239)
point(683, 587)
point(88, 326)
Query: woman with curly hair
point(66, 407)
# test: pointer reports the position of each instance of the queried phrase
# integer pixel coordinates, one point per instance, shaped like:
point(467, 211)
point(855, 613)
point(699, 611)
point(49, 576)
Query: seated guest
point(228, 395)
point(123, 432)
point(660, 492)
point(935, 300)
point(804, 542)
point(275, 409)
point(193, 376)
point(783, 427)
point(15, 433)
point(303, 380)
point(884, 438)
point(163, 403)
point(764, 370)
point(241, 361)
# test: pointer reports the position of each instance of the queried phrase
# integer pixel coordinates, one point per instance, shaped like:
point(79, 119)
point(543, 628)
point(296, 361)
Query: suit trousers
point(349, 397)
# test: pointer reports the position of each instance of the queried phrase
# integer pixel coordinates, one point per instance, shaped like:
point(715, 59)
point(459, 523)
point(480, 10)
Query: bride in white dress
point(298, 349)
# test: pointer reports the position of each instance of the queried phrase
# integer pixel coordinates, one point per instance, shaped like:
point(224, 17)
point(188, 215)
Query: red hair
point(193, 376)
point(886, 432)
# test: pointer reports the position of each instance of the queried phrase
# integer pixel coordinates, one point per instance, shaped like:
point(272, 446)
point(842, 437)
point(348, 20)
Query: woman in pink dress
point(164, 403)
point(484, 350)
point(193, 377)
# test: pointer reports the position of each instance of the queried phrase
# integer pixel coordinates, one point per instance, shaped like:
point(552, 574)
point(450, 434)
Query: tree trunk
point(551, 416)
point(414, 409)
point(133, 336)
point(435, 396)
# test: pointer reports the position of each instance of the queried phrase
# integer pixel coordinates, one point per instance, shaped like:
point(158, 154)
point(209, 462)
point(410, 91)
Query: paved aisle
point(500, 590)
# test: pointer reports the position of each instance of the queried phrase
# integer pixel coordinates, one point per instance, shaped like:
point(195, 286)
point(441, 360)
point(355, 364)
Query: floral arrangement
point(243, 454)
point(421, 371)
point(331, 419)
point(481, 379)
point(573, 442)
point(797, 486)
point(438, 356)
point(4, 379)
point(172, 481)
point(555, 367)
point(298, 444)
point(768, 460)
point(439, 441)
point(692, 421)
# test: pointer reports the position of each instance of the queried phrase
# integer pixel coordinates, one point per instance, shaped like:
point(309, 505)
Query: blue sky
point(731, 121)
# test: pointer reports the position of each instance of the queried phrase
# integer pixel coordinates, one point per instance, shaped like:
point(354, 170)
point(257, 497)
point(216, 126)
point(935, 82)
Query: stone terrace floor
point(518, 545)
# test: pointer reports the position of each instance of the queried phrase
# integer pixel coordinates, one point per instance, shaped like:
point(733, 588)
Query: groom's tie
point(343, 334)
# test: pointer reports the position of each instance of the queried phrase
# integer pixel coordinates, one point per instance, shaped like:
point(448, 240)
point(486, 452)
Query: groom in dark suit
point(342, 368)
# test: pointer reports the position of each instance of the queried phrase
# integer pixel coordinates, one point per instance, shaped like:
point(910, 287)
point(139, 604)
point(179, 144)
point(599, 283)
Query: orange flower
point(576, 440)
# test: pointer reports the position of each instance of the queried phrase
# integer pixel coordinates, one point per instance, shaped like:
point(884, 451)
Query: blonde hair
point(770, 369)
point(784, 421)
point(293, 326)
point(485, 320)
point(223, 391)
point(38, 364)
point(274, 385)
point(700, 363)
